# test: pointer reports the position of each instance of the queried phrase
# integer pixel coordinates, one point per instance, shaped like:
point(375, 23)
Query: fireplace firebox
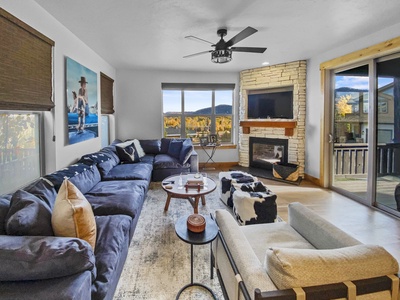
point(264, 152)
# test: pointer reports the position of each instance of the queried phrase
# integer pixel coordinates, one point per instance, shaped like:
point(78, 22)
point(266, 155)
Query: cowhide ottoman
point(254, 203)
point(226, 179)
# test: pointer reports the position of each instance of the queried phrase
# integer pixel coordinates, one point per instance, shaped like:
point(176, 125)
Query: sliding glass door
point(365, 133)
point(388, 134)
point(350, 131)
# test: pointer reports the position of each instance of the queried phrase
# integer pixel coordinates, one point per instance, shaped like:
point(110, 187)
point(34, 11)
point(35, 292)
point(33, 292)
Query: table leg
point(167, 203)
point(196, 204)
point(203, 200)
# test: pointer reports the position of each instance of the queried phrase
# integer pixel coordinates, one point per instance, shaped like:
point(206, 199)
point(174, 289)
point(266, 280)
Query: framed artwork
point(204, 141)
point(82, 102)
point(213, 138)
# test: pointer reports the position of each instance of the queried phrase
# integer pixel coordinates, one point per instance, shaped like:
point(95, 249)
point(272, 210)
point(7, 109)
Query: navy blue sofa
point(35, 264)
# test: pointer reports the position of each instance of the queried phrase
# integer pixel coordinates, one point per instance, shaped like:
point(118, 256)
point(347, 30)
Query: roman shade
point(107, 99)
point(25, 66)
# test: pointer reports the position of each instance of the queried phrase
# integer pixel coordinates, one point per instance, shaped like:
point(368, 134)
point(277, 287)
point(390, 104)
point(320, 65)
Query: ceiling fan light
point(221, 56)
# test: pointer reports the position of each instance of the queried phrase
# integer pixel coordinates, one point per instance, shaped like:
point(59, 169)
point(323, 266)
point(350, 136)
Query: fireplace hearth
point(264, 152)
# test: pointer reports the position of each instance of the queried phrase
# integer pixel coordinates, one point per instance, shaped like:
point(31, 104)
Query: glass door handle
point(330, 138)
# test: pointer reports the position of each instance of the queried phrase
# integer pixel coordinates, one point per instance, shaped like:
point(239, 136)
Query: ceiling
point(150, 34)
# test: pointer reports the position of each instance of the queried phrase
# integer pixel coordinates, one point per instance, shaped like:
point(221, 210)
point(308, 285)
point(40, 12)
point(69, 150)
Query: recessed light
point(265, 63)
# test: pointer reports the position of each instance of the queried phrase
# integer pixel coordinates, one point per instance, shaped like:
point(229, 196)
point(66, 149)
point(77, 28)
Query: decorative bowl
point(196, 223)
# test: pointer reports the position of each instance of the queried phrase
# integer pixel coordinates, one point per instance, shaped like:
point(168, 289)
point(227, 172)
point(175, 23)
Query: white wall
point(59, 154)
point(139, 106)
point(314, 106)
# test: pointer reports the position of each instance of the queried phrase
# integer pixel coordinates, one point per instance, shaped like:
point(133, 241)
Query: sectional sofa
point(36, 263)
point(306, 258)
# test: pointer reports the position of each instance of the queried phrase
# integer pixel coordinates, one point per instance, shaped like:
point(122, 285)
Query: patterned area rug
point(158, 262)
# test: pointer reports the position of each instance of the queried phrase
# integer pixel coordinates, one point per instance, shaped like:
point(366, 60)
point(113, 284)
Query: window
point(19, 150)
point(197, 110)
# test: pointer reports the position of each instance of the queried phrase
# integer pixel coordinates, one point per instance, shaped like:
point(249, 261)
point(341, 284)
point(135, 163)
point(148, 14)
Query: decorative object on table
point(81, 102)
point(213, 138)
point(194, 178)
point(197, 186)
point(196, 223)
point(204, 141)
point(286, 171)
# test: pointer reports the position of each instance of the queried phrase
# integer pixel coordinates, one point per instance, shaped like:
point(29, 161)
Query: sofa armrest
point(249, 267)
point(25, 258)
point(194, 162)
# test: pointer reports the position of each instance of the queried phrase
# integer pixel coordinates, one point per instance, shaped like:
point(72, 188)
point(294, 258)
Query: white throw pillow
point(289, 268)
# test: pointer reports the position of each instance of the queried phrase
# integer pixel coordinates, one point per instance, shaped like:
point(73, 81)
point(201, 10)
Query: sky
point(358, 82)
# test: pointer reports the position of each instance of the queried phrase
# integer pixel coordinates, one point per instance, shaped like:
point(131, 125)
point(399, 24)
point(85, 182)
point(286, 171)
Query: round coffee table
point(193, 195)
point(192, 238)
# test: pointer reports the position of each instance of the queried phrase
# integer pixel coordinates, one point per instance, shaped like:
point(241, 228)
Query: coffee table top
point(196, 238)
point(191, 192)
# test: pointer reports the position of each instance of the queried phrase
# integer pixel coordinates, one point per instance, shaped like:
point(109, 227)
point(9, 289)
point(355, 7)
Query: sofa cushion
point(151, 146)
point(57, 177)
point(186, 151)
point(112, 245)
point(44, 190)
point(165, 161)
point(73, 215)
point(35, 258)
point(174, 148)
point(4, 207)
point(95, 158)
point(289, 268)
point(127, 152)
point(139, 170)
point(124, 197)
point(165, 145)
point(28, 215)
point(87, 179)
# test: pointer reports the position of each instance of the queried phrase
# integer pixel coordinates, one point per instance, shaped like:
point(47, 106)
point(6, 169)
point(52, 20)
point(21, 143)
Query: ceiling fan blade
point(249, 49)
point(199, 53)
point(241, 35)
point(194, 38)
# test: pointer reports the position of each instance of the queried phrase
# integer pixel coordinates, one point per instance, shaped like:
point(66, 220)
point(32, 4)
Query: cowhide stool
point(254, 203)
point(226, 179)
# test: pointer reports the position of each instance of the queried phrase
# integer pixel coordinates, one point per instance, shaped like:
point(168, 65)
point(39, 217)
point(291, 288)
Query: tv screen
point(271, 105)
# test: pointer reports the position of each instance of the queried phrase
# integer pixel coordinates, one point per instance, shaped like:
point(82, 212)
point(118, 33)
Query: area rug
point(158, 262)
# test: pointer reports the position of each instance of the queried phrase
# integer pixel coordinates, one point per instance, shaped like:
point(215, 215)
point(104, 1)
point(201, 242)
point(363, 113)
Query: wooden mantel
point(288, 125)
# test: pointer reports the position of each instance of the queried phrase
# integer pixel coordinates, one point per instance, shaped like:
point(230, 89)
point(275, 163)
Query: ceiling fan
point(223, 50)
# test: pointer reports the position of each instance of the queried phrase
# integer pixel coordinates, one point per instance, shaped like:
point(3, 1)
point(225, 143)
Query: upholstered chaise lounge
point(306, 258)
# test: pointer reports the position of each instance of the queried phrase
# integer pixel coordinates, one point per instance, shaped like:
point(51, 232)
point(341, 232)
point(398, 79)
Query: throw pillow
point(186, 151)
point(72, 215)
point(174, 148)
point(127, 152)
point(139, 148)
point(28, 215)
point(289, 268)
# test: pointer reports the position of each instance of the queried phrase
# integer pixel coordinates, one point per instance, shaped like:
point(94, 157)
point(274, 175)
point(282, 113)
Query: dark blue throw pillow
point(174, 148)
point(28, 215)
point(186, 151)
point(127, 152)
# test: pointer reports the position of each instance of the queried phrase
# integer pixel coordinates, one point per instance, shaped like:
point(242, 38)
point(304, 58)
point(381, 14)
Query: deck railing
point(352, 159)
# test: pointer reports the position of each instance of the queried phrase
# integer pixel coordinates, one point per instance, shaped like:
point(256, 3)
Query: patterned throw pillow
point(73, 215)
point(127, 152)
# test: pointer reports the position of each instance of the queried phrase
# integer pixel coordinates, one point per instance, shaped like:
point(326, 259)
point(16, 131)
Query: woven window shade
point(25, 66)
point(107, 98)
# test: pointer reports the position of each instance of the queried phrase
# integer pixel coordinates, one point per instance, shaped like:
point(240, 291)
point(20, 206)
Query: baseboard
point(312, 179)
point(218, 165)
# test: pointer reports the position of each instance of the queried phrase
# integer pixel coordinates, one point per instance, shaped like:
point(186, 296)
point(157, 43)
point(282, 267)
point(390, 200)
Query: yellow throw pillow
point(72, 214)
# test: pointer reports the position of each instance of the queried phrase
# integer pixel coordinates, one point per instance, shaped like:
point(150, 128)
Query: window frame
point(213, 115)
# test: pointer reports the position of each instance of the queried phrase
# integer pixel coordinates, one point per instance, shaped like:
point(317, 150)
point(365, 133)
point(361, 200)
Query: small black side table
point(192, 238)
point(213, 147)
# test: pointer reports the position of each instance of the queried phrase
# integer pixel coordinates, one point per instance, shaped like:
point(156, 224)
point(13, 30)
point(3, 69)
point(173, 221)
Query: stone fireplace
point(292, 131)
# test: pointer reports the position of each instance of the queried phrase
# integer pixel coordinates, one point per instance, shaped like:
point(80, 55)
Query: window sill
point(223, 146)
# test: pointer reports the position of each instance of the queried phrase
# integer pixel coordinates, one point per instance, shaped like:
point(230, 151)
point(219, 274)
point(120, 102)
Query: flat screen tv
point(274, 104)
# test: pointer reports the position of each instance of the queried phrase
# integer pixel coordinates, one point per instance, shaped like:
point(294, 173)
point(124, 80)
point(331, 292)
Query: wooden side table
point(192, 238)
